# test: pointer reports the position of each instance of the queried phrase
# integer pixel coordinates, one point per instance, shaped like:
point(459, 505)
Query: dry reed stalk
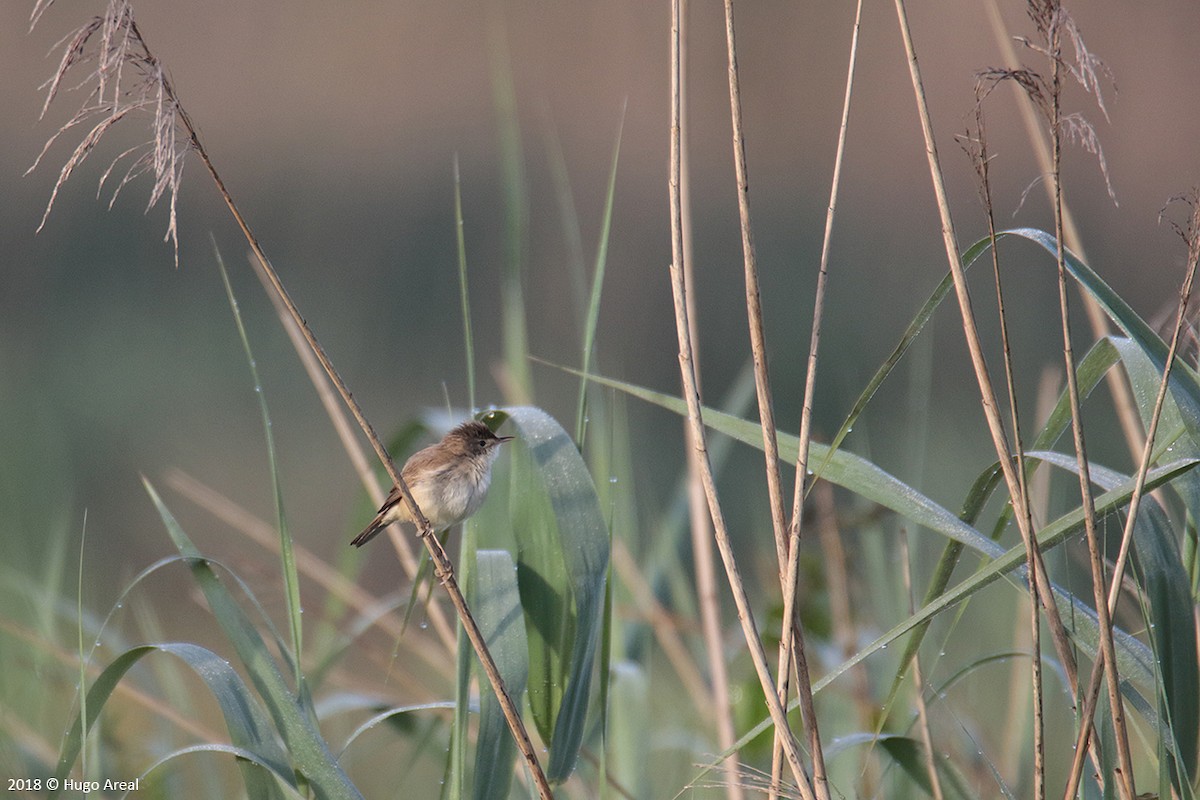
point(977, 150)
point(791, 620)
point(1050, 20)
point(700, 527)
point(696, 421)
point(1191, 235)
point(358, 459)
point(791, 648)
point(1037, 572)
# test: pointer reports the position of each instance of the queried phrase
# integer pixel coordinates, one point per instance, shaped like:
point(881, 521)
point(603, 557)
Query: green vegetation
point(577, 654)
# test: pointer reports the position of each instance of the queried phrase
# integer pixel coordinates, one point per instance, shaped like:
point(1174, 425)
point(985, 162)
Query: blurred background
point(335, 127)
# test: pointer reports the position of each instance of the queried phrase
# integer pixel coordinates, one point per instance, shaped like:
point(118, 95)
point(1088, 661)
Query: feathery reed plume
point(124, 78)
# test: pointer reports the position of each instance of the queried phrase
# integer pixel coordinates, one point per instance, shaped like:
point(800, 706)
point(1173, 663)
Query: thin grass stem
point(981, 158)
point(287, 555)
point(790, 584)
point(700, 526)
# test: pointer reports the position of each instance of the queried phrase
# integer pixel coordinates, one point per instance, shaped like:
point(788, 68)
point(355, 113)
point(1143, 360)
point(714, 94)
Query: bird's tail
point(371, 531)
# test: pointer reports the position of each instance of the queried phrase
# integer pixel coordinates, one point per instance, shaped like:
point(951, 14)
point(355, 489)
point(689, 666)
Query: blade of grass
point(309, 752)
point(593, 309)
point(1184, 385)
point(1169, 614)
point(280, 782)
point(1092, 369)
point(869, 481)
point(1136, 660)
point(454, 784)
point(83, 660)
point(291, 580)
point(460, 240)
point(248, 726)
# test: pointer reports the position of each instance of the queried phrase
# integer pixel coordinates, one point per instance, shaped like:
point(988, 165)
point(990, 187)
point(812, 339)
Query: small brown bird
point(449, 480)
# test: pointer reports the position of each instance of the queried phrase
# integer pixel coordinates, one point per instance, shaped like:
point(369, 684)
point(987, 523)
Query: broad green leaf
point(308, 751)
point(1145, 379)
point(910, 755)
point(248, 726)
point(1169, 615)
point(515, 335)
point(544, 586)
point(497, 608)
point(562, 561)
point(1185, 386)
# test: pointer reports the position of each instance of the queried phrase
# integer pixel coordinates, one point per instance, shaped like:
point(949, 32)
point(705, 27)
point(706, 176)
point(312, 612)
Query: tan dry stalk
point(707, 589)
point(695, 418)
point(837, 584)
point(443, 569)
point(758, 343)
point(791, 647)
point(791, 622)
point(1037, 571)
point(978, 150)
point(1107, 650)
point(1135, 500)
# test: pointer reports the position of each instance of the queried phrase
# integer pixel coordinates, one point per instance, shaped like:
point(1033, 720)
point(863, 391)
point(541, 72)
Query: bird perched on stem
point(448, 480)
